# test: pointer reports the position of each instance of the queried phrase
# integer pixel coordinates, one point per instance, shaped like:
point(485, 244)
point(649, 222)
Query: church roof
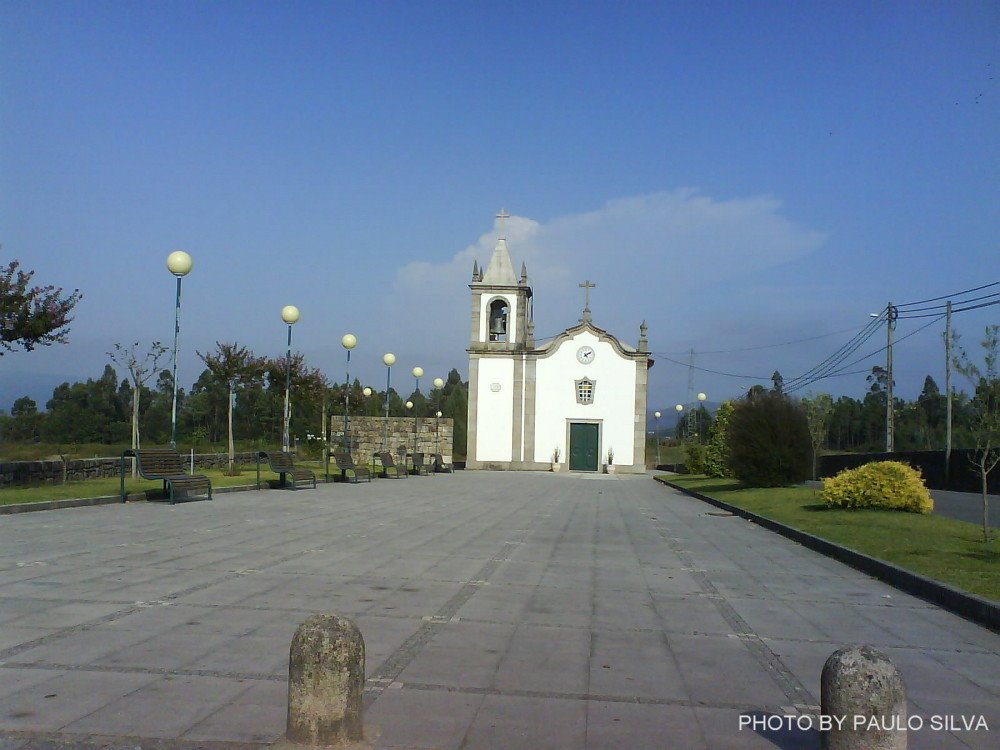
point(500, 271)
point(585, 325)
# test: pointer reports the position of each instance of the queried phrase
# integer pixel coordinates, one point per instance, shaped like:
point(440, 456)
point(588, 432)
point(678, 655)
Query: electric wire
point(834, 360)
point(949, 296)
point(837, 373)
point(769, 346)
point(960, 302)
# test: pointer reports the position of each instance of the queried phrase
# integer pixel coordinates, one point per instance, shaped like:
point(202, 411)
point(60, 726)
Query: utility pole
point(890, 324)
point(947, 390)
point(691, 403)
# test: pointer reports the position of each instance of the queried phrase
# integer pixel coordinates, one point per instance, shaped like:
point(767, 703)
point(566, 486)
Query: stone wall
point(20, 473)
point(367, 436)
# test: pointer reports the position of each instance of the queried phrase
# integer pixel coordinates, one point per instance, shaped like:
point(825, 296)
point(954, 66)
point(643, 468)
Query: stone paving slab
point(499, 610)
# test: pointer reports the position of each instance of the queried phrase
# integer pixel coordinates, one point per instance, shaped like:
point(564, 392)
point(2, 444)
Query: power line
point(960, 302)
point(950, 296)
point(837, 373)
point(770, 346)
point(843, 352)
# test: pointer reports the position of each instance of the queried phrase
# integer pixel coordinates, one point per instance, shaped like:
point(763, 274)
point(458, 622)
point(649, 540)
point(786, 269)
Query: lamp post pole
point(179, 264)
point(289, 314)
point(367, 392)
point(389, 359)
point(680, 410)
point(438, 384)
point(409, 407)
point(418, 373)
point(348, 341)
point(701, 402)
point(656, 415)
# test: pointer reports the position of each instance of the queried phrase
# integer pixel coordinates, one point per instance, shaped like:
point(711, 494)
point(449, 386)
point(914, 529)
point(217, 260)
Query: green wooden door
point(583, 440)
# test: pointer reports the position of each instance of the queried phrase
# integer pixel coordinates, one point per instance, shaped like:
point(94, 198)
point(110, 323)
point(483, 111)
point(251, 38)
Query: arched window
point(498, 320)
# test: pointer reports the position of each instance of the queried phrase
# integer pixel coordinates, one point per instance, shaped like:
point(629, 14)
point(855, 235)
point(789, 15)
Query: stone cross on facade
point(501, 217)
point(587, 285)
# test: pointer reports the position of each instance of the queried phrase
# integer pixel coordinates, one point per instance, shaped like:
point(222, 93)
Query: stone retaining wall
point(19, 473)
point(368, 435)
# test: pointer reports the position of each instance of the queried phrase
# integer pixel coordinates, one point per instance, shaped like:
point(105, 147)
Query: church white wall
point(495, 416)
point(614, 399)
point(484, 316)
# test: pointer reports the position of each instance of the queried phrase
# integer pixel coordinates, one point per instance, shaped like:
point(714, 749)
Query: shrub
point(769, 442)
point(694, 457)
point(717, 450)
point(890, 485)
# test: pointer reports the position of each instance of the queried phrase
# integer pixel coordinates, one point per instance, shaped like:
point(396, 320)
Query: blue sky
point(736, 174)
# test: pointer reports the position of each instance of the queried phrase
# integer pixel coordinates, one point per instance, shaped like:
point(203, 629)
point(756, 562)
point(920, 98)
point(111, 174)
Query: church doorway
point(584, 438)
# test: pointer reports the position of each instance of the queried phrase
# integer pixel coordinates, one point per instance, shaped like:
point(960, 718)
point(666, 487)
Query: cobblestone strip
point(393, 666)
point(788, 683)
point(598, 697)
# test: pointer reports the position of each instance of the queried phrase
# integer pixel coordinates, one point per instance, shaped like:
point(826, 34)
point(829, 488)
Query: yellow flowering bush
point(889, 485)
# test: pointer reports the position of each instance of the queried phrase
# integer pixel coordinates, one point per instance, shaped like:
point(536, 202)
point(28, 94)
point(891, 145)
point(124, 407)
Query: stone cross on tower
point(501, 217)
point(587, 285)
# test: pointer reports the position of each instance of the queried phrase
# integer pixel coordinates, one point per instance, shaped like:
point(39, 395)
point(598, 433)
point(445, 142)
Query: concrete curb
point(976, 608)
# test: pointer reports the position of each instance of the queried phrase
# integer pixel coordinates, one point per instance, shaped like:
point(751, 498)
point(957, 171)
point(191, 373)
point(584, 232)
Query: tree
point(777, 382)
point(140, 368)
point(231, 365)
point(717, 450)
point(32, 316)
point(818, 409)
point(92, 412)
point(769, 441)
point(24, 421)
point(985, 426)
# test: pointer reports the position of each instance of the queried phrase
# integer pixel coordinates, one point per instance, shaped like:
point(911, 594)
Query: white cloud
point(649, 255)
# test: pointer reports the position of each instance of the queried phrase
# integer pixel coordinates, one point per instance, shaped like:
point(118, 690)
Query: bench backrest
point(344, 460)
point(157, 462)
point(279, 460)
point(387, 459)
point(418, 459)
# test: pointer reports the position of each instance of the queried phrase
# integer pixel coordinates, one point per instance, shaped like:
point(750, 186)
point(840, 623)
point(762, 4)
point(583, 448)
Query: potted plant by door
point(610, 467)
point(555, 460)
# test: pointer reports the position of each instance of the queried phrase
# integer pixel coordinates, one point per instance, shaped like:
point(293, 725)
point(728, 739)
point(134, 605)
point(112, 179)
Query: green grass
point(104, 487)
point(940, 548)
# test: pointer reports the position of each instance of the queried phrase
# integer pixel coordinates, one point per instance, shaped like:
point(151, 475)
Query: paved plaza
point(499, 610)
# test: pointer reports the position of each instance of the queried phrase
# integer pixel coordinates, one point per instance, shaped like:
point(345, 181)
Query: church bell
point(498, 323)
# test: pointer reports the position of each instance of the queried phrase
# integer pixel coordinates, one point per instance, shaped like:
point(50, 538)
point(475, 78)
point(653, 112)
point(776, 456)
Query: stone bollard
point(861, 685)
point(326, 677)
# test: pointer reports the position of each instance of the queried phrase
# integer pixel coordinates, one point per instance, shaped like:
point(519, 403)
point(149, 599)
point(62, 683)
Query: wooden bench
point(419, 467)
point(440, 467)
point(281, 464)
point(389, 468)
point(165, 464)
point(348, 471)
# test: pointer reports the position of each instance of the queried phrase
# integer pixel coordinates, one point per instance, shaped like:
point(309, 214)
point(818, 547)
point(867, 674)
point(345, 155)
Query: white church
point(578, 402)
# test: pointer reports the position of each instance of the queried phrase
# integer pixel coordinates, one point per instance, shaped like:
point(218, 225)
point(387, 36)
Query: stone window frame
point(584, 389)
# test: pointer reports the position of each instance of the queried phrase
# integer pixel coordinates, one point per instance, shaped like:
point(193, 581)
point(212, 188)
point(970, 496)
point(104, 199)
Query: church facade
point(578, 401)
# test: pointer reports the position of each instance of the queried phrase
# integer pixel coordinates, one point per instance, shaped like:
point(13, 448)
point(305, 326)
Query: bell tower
point(501, 302)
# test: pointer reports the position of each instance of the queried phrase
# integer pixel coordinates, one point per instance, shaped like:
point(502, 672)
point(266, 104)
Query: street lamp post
point(409, 407)
point(656, 415)
point(179, 264)
point(701, 402)
point(348, 341)
point(680, 410)
point(367, 392)
point(437, 435)
point(438, 384)
point(289, 314)
point(418, 372)
point(389, 359)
